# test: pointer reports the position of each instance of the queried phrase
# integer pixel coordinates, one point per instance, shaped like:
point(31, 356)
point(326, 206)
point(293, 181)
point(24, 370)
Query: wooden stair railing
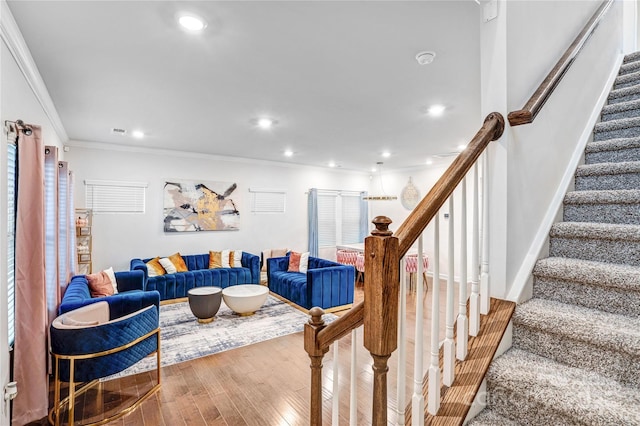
point(533, 106)
point(379, 310)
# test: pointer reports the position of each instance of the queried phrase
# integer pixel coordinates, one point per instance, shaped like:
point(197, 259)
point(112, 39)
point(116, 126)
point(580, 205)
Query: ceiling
point(340, 77)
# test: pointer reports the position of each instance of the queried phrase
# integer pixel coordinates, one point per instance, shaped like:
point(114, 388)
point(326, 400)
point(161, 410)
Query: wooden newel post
point(381, 287)
point(311, 330)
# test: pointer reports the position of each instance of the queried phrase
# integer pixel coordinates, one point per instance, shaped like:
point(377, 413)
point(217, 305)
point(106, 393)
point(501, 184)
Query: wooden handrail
point(420, 217)
point(533, 106)
point(341, 327)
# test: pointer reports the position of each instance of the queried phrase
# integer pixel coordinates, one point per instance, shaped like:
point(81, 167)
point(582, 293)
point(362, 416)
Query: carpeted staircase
point(575, 358)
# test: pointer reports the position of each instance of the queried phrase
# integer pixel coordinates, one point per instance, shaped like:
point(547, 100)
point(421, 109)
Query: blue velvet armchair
point(91, 342)
point(326, 284)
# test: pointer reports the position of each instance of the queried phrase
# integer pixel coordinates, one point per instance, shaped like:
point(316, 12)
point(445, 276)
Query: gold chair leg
point(72, 391)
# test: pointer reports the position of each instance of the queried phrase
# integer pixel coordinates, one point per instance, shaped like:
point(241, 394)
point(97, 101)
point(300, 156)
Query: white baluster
point(353, 402)
point(484, 277)
point(463, 321)
point(449, 344)
point(433, 405)
point(474, 299)
point(417, 402)
point(336, 386)
point(402, 344)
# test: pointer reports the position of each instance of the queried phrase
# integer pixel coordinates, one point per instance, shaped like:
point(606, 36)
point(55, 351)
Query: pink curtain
point(30, 368)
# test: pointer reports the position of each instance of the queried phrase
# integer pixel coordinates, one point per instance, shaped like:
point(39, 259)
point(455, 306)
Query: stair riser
point(607, 182)
point(629, 132)
point(629, 68)
point(629, 97)
point(607, 251)
point(607, 299)
point(631, 113)
point(603, 213)
point(563, 349)
point(524, 409)
point(618, 156)
point(624, 84)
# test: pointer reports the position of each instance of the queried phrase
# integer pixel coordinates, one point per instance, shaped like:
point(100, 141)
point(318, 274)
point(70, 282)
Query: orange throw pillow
point(294, 262)
point(154, 267)
point(215, 259)
point(99, 284)
point(178, 262)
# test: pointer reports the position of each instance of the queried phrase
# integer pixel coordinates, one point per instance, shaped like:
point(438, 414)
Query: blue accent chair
point(326, 284)
point(175, 286)
point(129, 298)
point(91, 342)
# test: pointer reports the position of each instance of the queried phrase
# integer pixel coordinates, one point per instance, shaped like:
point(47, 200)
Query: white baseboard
point(523, 277)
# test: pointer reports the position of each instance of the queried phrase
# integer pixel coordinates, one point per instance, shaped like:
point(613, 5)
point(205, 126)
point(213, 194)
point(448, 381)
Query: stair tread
point(612, 331)
point(608, 168)
point(603, 196)
point(593, 230)
point(631, 57)
point(618, 124)
point(629, 67)
point(578, 393)
point(622, 106)
point(613, 145)
point(489, 417)
point(589, 272)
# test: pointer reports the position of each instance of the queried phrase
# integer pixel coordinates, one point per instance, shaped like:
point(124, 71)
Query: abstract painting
point(200, 206)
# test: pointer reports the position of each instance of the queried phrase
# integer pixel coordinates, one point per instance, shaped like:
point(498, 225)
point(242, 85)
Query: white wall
point(17, 101)
point(119, 238)
point(537, 154)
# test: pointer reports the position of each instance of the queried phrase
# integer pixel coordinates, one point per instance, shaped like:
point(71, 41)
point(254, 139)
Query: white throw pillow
point(112, 277)
point(237, 259)
point(304, 262)
point(168, 266)
point(224, 257)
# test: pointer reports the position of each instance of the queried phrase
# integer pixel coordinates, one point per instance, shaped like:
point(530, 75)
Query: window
point(267, 200)
point(11, 240)
point(339, 218)
point(114, 197)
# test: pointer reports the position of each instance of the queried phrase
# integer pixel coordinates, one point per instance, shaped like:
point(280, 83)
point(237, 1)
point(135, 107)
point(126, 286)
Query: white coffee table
point(245, 299)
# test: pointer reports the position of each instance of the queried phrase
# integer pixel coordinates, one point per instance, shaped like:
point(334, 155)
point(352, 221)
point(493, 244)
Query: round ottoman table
point(205, 302)
point(245, 299)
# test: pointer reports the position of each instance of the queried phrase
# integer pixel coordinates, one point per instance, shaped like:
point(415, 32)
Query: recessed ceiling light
point(373, 170)
point(288, 153)
point(192, 22)
point(332, 164)
point(264, 123)
point(462, 147)
point(429, 162)
point(138, 134)
point(436, 110)
point(386, 154)
point(425, 58)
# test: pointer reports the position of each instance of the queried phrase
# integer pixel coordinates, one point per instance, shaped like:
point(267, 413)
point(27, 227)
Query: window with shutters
point(338, 218)
point(115, 197)
point(11, 240)
point(267, 201)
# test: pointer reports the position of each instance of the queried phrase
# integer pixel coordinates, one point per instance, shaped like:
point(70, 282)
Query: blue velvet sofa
point(326, 284)
point(175, 286)
point(130, 296)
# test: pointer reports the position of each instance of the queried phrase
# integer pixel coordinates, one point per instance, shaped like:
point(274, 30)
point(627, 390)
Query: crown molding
point(12, 37)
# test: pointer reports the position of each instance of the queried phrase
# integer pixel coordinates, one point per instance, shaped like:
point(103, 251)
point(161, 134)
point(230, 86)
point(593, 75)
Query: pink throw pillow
point(294, 262)
point(99, 284)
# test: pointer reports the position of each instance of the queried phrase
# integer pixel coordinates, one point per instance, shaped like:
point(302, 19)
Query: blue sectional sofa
point(326, 284)
point(130, 296)
point(175, 286)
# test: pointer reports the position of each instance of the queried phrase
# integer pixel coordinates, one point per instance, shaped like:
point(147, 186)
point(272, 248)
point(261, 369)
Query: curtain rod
point(19, 125)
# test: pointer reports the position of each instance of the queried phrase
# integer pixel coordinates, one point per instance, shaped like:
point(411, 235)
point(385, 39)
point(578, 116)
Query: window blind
point(327, 222)
point(350, 219)
point(11, 241)
point(113, 197)
point(268, 200)
point(51, 224)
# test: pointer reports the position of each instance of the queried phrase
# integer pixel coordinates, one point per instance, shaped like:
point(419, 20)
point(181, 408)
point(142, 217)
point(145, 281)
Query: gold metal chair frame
point(54, 413)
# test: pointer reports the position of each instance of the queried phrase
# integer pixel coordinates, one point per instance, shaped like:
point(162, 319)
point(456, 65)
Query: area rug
point(182, 338)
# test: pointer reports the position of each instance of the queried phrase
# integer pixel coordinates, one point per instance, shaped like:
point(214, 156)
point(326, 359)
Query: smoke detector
point(425, 58)
point(117, 131)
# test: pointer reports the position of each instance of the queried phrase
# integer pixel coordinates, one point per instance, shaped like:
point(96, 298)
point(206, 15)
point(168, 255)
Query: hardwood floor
point(262, 384)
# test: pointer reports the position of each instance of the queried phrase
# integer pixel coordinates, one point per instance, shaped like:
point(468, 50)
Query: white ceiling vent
point(116, 131)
